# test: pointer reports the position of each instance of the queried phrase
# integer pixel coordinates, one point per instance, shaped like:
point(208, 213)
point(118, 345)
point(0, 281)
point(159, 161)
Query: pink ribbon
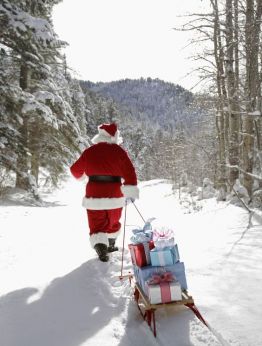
point(165, 277)
point(163, 234)
point(163, 281)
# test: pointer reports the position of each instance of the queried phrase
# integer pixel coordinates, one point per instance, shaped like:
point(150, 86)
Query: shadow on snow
point(71, 310)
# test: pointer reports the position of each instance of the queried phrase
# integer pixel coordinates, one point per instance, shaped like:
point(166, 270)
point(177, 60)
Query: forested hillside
point(166, 128)
point(47, 118)
point(151, 100)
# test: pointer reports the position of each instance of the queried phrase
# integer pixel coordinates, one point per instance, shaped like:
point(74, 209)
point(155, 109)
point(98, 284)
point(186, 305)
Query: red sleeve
point(129, 189)
point(78, 168)
point(128, 169)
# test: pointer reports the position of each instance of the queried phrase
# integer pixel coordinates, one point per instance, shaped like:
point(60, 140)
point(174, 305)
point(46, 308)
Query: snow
point(21, 21)
point(3, 141)
point(55, 292)
point(43, 96)
point(256, 113)
point(32, 105)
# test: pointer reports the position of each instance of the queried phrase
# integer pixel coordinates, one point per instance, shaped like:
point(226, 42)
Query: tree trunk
point(252, 31)
point(22, 177)
point(35, 148)
point(35, 166)
point(258, 122)
point(233, 109)
point(220, 117)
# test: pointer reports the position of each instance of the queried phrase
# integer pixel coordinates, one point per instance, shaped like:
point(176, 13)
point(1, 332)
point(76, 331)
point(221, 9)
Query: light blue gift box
point(144, 273)
point(164, 257)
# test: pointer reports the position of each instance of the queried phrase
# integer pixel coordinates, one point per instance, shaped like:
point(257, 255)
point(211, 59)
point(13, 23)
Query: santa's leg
point(98, 225)
point(114, 216)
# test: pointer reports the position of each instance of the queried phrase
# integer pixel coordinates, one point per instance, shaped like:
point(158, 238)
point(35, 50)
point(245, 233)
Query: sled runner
point(145, 307)
point(148, 310)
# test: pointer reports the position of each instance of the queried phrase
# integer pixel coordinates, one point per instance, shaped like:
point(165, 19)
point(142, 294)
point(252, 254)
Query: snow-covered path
point(54, 292)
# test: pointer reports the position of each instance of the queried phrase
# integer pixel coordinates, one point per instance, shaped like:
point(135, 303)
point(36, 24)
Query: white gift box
point(164, 292)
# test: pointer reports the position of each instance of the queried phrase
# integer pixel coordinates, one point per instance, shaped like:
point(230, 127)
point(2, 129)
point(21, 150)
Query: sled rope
point(138, 212)
point(123, 245)
point(124, 236)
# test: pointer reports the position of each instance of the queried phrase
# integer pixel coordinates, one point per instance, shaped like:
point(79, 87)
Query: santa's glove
point(130, 200)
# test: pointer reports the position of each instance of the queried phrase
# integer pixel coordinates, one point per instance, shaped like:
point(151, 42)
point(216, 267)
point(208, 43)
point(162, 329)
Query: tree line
point(230, 35)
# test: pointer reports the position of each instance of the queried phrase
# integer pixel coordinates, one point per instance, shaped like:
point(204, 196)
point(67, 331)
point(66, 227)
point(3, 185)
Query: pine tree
point(36, 98)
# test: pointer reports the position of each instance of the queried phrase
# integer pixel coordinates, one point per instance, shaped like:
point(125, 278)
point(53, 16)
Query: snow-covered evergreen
point(42, 110)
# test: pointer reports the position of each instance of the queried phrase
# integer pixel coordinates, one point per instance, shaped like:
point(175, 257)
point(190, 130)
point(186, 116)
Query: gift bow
point(146, 228)
point(165, 277)
point(137, 230)
point(163, 234)
point(140, 237)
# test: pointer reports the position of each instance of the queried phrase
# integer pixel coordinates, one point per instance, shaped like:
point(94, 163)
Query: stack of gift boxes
point(156, 264)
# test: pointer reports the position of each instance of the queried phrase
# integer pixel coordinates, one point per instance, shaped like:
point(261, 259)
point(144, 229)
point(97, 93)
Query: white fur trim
point(131, 191)
point(82, 178)
point(104, 136)
point(98, 238)
point(103, 203)
point(113, 235)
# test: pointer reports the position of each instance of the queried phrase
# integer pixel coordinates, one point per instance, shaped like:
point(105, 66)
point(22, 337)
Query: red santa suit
point(104, 200)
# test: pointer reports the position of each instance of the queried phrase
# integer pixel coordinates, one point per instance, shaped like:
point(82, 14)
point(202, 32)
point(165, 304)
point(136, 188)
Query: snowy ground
point(54, 292)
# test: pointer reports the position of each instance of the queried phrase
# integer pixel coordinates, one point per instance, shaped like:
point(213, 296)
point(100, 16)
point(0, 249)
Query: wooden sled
point(148, 310)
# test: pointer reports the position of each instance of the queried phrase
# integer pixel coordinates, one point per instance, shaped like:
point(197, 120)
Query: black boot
point(112, 247)
point(101, 250)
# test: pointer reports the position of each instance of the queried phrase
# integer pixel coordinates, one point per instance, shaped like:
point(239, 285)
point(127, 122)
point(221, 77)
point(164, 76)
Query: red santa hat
point(107, 133)
point(109, 128)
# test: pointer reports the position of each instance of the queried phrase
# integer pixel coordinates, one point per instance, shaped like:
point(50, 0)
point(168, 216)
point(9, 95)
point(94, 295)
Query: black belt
point(104, 179)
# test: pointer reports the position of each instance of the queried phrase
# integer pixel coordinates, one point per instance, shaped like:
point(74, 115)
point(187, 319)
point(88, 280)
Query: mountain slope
point(149, 99)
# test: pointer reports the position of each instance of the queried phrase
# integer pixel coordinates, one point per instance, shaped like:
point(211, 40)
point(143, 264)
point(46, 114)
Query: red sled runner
point(145, 307)
point(148, 310)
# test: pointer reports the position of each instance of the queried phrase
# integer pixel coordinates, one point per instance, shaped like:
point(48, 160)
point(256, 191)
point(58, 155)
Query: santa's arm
point(129, 187)
point(78, 168)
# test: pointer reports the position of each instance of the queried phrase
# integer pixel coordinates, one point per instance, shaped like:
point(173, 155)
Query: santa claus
point(111, 179)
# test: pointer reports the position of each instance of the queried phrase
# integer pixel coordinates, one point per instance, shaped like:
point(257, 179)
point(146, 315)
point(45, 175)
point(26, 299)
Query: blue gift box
point(164, 257)
point(144, 273)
